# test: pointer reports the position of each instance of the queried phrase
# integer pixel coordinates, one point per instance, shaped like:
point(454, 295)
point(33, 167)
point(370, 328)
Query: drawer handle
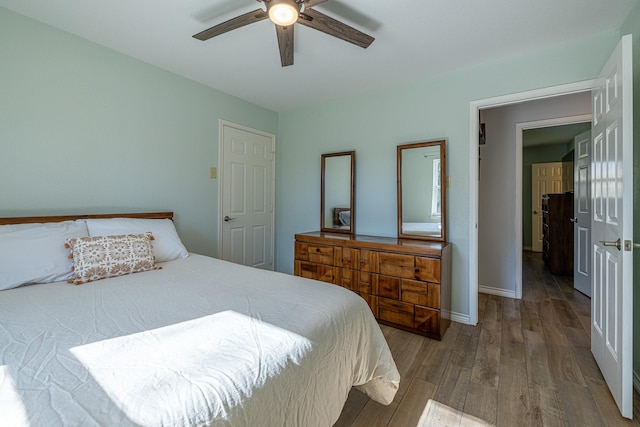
point(317, 249)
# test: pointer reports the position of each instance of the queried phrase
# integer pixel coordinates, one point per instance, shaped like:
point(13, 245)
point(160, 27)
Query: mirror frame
point(443, 190)
point(352, 205)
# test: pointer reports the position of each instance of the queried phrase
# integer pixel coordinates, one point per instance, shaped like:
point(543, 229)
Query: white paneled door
point(582, 213)
point(247, 196)
point(546, 178)
point(612, 225)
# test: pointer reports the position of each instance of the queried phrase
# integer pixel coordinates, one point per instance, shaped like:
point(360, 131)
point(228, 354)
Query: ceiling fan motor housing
point(283, 12)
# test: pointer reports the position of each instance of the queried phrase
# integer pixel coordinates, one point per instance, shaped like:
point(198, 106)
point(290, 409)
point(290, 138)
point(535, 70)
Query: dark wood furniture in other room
point(557, 233)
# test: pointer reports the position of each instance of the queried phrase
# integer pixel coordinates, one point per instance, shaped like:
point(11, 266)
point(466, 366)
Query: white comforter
point(201, 342)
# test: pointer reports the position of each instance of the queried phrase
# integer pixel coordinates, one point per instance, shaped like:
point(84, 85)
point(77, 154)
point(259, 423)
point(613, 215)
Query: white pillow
point(37, 254)
point(10, 228)
point(167, 245)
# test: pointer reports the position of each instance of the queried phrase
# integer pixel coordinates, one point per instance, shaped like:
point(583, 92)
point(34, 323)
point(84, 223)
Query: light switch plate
point(214, 173)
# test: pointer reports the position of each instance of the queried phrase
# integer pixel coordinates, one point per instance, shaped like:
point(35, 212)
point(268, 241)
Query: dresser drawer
point(368, 283)
point(421, 293)
point(396, 312)
point(427, 269)
point(349, 279)
point(369, 261)
point(321, 254)
point(397, 265)
point(315, 271)
point(388, 287)
point(347, 258)
point(427, 320)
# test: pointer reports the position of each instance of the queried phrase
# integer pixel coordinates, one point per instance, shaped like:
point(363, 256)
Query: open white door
point(582, 214)
point(612, 225)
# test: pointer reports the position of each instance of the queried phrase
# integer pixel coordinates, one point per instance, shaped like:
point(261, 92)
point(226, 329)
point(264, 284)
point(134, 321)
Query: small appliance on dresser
point(557, 233)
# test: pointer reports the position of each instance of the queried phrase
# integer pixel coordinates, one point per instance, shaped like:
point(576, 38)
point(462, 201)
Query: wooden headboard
point(60, 218)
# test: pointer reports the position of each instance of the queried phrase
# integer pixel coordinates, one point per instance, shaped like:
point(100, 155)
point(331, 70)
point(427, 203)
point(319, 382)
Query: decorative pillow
point(167, 245)
point(99, 257)
point(33, 253)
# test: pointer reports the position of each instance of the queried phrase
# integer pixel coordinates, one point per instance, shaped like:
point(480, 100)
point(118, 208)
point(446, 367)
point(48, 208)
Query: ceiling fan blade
point(321, 22)
point(311, 3)
point(237, 22)
point(285, 43)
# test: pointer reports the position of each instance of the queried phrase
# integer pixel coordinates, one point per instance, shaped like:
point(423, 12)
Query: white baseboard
point(455, 317)
point(483, 289)
point(460, 318)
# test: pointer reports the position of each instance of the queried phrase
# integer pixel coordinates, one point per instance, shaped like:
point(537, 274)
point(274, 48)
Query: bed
point(192, 340)
point(422, 228)
point(341, 218)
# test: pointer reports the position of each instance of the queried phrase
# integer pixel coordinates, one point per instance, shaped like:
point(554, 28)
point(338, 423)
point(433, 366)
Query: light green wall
point(540, 154)
point(375, 122)
point(632, 26)
point(86, 129)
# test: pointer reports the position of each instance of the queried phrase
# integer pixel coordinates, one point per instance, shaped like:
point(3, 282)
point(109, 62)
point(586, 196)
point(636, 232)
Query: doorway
point(542, 142)
point(501, 201)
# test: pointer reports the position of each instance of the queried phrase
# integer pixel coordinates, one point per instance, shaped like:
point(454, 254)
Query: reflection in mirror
point(421, 193)
point(337, 192)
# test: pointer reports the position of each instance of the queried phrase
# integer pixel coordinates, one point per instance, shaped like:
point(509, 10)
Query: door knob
point(617, 243)
point(227, 218)
point(574, 220)
point(535, 212)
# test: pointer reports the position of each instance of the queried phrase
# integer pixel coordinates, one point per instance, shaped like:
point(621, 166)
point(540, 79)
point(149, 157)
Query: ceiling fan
point(285, 13)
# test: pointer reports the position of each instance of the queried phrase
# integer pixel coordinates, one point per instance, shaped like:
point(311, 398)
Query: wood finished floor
point(527, 363)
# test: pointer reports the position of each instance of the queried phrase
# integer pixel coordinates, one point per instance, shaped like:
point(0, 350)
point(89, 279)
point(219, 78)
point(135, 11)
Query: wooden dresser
point(407, 283)
point(557, 233)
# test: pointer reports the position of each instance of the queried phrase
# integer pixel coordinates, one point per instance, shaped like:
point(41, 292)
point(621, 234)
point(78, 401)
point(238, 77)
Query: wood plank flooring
point(527, 363)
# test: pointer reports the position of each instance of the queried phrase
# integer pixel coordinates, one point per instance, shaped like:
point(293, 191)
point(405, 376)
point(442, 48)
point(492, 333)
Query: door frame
point(474, 111)
point(222, 124)
point(520, 128)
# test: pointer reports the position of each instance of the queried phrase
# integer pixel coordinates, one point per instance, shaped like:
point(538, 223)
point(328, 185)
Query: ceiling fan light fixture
point(283, 12)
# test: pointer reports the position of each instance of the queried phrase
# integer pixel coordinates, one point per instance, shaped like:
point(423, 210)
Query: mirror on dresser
point(421, 191)
point(337, 192)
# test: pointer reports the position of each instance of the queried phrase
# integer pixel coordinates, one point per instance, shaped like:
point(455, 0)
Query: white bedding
point(422, 228)
point(200, 342)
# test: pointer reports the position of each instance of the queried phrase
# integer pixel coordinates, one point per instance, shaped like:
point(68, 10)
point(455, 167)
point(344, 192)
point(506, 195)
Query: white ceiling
point(553, 135)
point(414, 39)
